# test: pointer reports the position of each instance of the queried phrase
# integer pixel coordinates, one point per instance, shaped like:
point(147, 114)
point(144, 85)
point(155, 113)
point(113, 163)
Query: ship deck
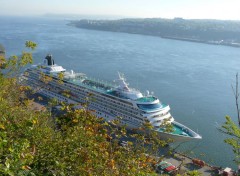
point(102, 87)
point(146, 99)
point(93, 85)
point(177, 130)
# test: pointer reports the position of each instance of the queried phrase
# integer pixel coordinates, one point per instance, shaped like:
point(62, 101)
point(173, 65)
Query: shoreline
point(235, 45)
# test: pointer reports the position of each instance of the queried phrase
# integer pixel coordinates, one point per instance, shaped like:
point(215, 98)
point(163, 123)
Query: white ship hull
point(162, 135)
point(110, 101)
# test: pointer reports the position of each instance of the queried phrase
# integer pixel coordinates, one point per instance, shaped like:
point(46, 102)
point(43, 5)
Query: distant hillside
point(206, 31)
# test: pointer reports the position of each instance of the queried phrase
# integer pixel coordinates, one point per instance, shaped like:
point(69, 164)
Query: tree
point(75, 143)
point(192, 173)
point(236, 95)
point(232, 129)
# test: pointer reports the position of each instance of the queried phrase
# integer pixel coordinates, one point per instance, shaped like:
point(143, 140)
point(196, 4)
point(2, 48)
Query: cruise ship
point(109, 100)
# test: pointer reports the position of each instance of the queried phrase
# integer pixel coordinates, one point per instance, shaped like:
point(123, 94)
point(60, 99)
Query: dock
point(184, 163)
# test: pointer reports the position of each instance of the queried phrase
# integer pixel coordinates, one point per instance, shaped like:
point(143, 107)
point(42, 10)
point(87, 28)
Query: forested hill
point(206, 31)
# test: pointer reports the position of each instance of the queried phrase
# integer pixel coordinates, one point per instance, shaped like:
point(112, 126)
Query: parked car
point(165, 167)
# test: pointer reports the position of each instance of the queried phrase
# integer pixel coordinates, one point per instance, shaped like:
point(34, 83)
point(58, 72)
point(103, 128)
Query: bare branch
point(236, 95)
point(226, 132)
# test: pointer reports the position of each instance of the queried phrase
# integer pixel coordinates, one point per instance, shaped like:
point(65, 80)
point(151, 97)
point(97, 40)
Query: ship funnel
point(49, 60)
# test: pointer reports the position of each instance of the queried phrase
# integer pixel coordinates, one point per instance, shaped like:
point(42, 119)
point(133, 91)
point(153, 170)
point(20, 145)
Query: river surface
point(193, 78)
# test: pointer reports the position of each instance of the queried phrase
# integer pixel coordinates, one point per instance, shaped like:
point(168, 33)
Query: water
point(194, 78)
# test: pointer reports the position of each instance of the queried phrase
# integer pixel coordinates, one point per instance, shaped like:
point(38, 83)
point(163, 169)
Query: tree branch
point(236, 95)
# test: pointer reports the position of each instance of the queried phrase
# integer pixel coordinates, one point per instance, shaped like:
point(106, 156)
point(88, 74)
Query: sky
point(189, 9)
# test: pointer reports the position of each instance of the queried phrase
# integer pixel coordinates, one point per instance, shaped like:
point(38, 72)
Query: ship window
point(149, 106)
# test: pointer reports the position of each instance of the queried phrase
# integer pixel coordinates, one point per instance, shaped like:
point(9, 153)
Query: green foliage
point(30, 44)
point(193, 173)
point(76, 143)
point(233, 130)
point(168, 127)
point(2, 61)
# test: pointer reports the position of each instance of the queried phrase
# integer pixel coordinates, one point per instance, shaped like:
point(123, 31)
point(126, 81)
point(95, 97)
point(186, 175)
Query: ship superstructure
point(110, 100)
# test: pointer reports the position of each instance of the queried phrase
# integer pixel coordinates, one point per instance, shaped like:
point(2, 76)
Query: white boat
point(110, 101)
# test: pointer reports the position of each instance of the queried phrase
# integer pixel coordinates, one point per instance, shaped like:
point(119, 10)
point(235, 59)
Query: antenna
point(147, 91)
point(120, 75)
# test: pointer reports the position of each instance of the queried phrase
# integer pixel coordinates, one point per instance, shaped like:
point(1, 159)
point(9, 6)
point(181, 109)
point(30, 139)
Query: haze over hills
point(84, 16)
point(221, 32)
